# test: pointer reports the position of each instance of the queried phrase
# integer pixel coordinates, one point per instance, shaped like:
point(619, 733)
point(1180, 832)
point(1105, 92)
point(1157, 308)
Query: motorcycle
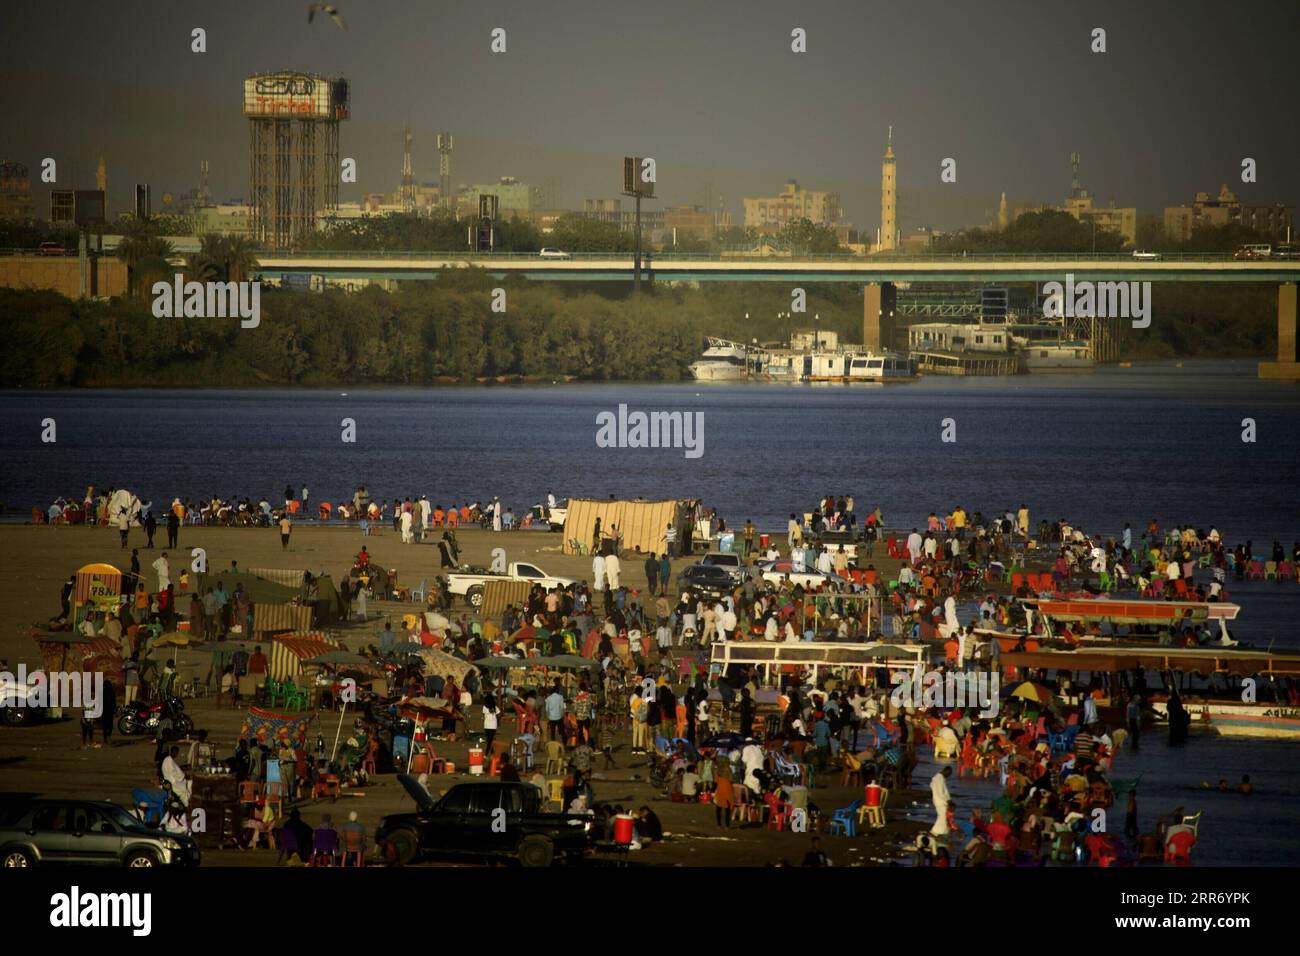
point(143, 717)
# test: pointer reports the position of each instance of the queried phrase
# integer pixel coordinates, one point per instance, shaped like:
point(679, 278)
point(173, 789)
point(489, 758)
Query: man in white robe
point(941, 797)
point(174, 775)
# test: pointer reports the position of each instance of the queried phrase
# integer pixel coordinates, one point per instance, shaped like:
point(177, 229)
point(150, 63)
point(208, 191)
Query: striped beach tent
point(281, 617)
point(285, 654)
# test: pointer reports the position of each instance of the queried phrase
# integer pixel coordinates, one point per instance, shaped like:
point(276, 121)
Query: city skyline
point(708, 140)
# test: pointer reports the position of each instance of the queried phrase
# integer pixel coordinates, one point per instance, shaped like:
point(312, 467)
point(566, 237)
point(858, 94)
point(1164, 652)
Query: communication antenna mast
point(444, 169)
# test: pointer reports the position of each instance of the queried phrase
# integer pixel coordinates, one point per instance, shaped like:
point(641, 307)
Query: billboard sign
point(295, 95)
point(82, 207)
point(633, 183)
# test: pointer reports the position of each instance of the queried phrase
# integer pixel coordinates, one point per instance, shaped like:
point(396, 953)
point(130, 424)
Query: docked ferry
point(886, 367)
point(1046, 346)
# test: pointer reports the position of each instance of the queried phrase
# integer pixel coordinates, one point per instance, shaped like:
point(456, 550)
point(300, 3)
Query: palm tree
point(241, 258)
point(214, 247)
point(131, 250)
point(199, 267)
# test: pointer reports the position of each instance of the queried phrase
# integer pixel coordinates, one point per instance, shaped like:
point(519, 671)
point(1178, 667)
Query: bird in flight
point(333, 11)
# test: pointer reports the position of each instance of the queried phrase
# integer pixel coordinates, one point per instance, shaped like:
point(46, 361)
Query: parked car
point(1140, 254)
point(470, 584)
point(733, 564)
point(18, 705)
point(550, 252)
point(466, 822)
point(51, 249)
point(43, 832)
point(706, 580)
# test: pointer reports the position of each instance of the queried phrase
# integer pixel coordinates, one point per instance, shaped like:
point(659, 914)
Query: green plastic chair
point(295, 697)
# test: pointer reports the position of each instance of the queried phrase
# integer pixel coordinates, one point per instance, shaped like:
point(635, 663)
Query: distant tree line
point(444, 331)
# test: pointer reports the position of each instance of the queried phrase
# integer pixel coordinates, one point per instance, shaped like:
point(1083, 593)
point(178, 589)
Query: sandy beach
point(46, 758)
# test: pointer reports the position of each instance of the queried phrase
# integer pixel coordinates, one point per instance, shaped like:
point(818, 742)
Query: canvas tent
point(641, 523)
point(285, 655)
point(270, 618)
point(287, 586)
point(497, 594)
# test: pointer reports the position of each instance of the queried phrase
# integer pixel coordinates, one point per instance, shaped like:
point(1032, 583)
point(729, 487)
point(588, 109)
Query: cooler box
point(873, 794)
point(764, 541)
point(476, 761)
point(623, 829)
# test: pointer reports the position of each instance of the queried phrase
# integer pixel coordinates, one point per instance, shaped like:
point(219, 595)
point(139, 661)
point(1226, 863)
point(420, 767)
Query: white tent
point(123, 500)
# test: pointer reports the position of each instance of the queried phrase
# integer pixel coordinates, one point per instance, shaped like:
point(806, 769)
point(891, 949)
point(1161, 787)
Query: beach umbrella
point(177, 639)
point(502, 663)
point(1031, 691)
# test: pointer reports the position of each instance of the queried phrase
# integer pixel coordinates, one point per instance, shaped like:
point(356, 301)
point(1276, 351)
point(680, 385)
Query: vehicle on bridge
point(550, 252)
point(1258, 250)
point(1142, 254)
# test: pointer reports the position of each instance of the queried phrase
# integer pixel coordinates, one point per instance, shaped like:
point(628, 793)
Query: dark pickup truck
point(466, 822)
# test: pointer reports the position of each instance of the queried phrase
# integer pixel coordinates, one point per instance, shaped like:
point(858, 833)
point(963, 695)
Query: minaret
point(1002, 214)
point(408, 178)
point(101, 176)
point(888, 198)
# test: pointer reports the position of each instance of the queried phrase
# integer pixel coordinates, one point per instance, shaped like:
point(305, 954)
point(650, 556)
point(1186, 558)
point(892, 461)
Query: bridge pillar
point(1286, 367)
point(879, 304)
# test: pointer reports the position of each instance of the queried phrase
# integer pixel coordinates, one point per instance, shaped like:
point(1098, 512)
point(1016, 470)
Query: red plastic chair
point(778, 812)
point(1178, 849)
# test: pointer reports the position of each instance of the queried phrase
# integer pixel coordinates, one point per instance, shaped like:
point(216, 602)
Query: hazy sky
point(709, 88)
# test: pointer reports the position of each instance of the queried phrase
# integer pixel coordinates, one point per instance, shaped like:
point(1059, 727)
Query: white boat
point(887, 367)
point(1046, 345)
point(722, 361)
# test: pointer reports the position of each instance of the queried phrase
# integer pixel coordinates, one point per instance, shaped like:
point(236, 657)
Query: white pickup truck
point(470, 586)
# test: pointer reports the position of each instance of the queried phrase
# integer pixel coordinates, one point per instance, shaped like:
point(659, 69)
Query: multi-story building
point(1226, 209)
point(511, 195)
point(689, 220)
point(229, 219)
point(773, 213)
point(611, 210)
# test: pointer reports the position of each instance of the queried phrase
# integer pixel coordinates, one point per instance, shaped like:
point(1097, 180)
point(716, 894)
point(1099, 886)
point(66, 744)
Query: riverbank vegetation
point(445, 331)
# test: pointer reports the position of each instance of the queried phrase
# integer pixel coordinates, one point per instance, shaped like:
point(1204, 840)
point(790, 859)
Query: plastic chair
point(354, 847)
point(845, 819)
point(1178, 848)
point(324, 847)
point(778, 812)
point(421, 593)
point(554, 757)
point(275, 794)
point(874, 816)
point(295, 697)
point(555, 791)
point(1194, 821)
point(327, 785)
point(248, 795)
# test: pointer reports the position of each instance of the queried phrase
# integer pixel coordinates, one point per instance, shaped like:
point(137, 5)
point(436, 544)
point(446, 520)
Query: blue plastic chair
point(152, 803)
point(846, 819)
